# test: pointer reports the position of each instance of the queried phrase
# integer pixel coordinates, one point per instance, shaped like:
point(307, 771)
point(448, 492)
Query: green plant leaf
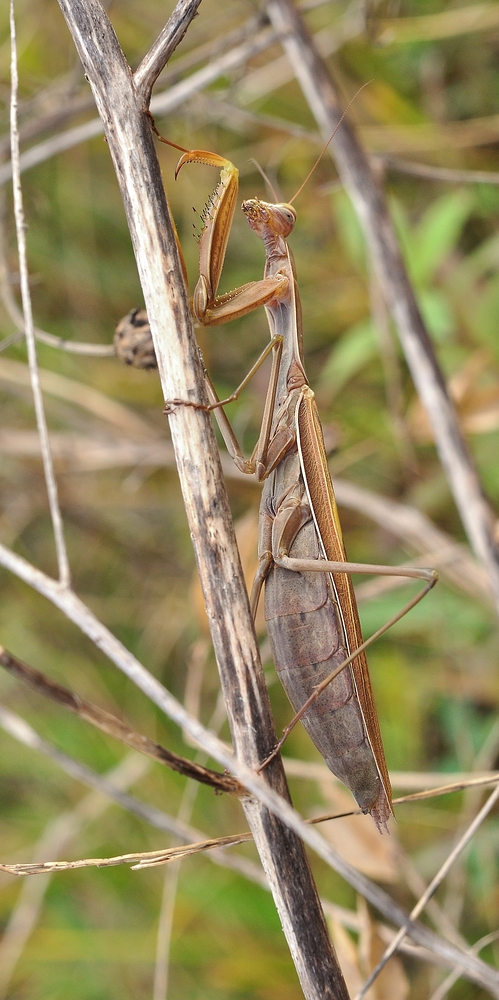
point(351, 353)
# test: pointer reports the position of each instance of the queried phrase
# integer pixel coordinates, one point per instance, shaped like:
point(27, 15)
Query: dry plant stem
point(55, 513)
point(356, 174)
point(130, 141)
point(433, 886)
point(113, 726)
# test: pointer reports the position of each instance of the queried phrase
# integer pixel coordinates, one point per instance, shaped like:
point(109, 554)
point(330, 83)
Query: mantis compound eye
point(285, 218)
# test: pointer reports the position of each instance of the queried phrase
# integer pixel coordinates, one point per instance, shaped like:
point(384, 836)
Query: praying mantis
point(310, 606)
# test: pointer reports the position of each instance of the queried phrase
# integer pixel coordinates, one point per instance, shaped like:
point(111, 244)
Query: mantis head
point(265, 218)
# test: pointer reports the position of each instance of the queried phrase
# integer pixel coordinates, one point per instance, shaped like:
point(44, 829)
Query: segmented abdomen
point(307, 640)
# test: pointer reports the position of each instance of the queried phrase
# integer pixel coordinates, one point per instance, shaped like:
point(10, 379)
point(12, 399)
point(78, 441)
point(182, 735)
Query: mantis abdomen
point(307, 636)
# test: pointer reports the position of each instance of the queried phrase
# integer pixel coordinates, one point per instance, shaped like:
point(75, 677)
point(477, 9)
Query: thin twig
point(108, 723)
point(454, 786)
point(55, 512)
point(154, 62)
point(139, 860)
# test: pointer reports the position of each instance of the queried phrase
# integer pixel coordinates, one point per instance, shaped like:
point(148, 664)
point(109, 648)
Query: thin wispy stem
point(48, 468)
point(432, 888)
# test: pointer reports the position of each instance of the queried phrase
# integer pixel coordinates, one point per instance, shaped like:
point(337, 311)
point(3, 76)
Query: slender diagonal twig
point(108, 723)
point(154, 62)
point(432, 888)
point(139, 860)
point(48, 468)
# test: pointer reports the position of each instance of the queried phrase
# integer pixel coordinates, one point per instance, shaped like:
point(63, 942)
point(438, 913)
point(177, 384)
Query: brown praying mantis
point(310, 606)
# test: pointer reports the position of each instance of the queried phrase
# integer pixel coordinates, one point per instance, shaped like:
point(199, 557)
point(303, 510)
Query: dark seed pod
point(133, 341)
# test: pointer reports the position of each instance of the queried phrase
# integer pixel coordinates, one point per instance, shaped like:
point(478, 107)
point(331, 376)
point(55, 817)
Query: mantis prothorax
point(310, 605)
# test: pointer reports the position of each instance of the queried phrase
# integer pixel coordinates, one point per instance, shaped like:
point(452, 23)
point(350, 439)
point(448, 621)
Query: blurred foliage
point(434, 100)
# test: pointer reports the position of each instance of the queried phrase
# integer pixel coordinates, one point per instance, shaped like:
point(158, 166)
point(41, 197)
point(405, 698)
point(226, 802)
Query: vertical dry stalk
point(128, 133)
point(358, 178)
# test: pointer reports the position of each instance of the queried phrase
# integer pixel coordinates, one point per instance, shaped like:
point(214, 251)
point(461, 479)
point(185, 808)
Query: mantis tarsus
point(310, 605)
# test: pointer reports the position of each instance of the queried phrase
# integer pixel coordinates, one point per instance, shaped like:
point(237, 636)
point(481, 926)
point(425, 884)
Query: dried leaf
point(477, 405)
point(392, 981)
point(347, 956)
point(357, 839)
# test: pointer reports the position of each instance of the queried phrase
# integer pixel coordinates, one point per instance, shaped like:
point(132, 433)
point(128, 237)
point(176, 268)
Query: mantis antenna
point(331, 137)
